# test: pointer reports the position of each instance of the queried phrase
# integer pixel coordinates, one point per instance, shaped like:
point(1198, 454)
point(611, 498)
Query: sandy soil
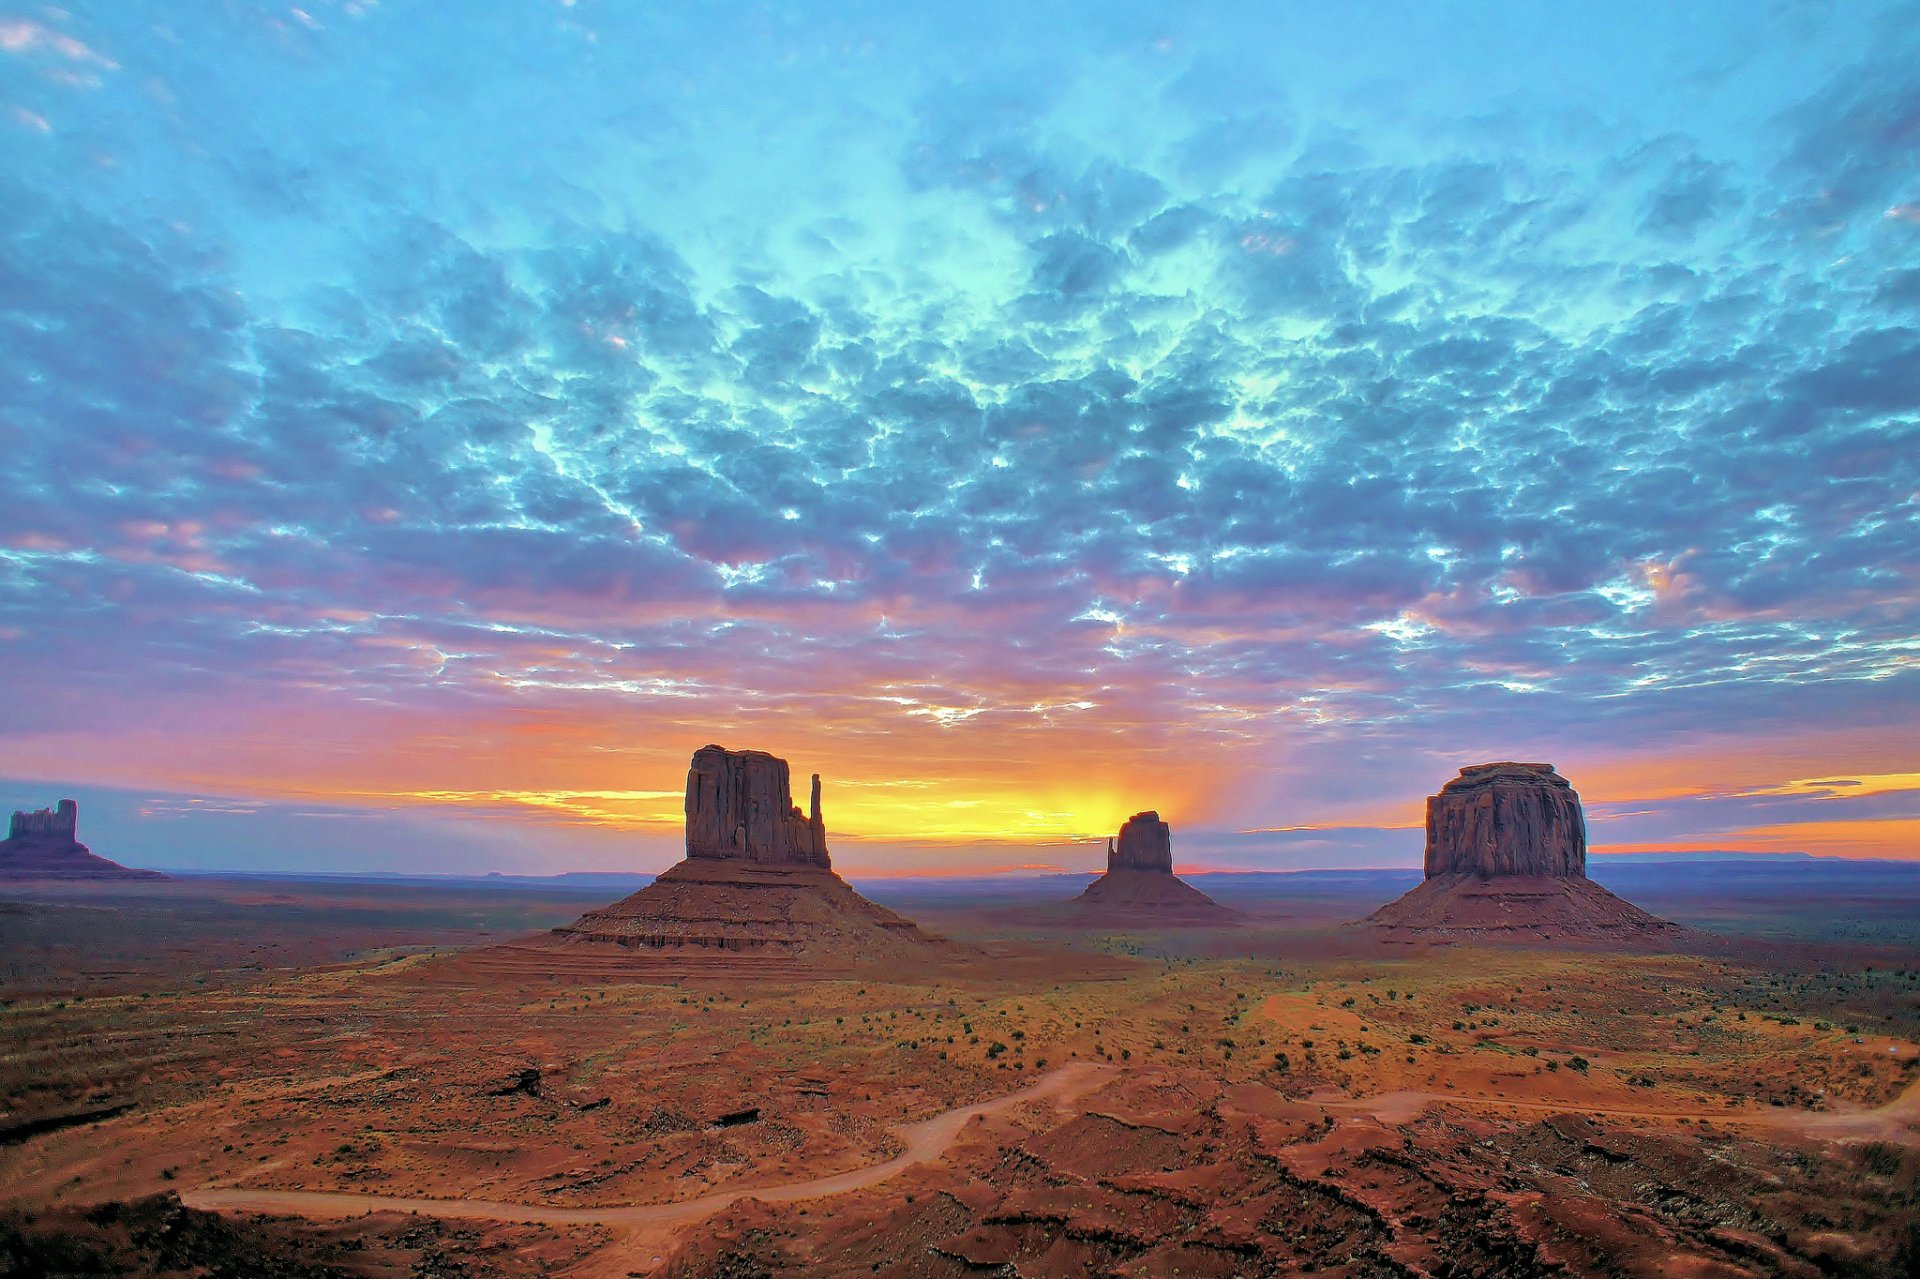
point(925, 1142)
point(1268, 1098)
point(1896, 1121)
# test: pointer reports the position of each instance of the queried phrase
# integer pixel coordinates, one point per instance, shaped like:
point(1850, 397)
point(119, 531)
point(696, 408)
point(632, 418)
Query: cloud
point(1264, 426)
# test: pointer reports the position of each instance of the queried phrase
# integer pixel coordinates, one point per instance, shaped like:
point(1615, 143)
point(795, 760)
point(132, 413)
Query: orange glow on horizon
point(1036, 777)
point(1844, 786)
point(1893, 838)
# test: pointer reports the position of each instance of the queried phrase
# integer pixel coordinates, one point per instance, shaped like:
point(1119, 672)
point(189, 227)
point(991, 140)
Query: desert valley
point(771, 639)
point(749, 1068)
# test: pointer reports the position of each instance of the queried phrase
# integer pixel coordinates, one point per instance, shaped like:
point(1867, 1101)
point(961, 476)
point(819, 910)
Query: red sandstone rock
point(724, 904)
point(1507, 857)
point(740, 805)
point(1140, 889)
point(44, 844)
point(756, 879)
point(1506, 819)
point(1146, 843)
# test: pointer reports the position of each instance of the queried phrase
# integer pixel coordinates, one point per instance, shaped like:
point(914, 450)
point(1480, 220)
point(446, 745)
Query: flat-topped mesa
point(740, 807)
point(51, 825)
point(1146, 843)
point(1506, 819)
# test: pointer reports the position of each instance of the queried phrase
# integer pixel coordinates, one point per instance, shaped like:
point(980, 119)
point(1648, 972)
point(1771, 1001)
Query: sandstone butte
point(1507, 856)
point(1140, 889)
point(45, 844)
point(757, 878)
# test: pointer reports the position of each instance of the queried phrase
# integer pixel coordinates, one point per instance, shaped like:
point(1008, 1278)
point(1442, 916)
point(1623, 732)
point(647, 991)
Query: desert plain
point(303, 1077)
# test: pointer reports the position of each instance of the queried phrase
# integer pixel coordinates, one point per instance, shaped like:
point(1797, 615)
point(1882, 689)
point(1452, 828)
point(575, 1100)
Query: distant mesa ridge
point(756, 878)
point(45, 844)
point(1507, 856)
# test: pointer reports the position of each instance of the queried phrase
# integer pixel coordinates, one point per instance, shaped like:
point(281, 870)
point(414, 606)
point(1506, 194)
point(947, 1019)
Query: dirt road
point(926, 1142)
point(1898, 1120)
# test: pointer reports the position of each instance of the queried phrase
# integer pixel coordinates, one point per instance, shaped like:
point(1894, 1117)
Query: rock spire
point(755, 892)
point(53, 825)
point(740, 807)
point(1140, 889)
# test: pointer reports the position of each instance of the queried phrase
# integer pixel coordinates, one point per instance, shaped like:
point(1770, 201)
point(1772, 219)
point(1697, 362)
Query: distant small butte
point(1140, 889)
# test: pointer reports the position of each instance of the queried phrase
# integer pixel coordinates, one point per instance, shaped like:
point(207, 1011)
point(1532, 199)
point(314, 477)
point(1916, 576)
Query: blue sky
point(452, 416)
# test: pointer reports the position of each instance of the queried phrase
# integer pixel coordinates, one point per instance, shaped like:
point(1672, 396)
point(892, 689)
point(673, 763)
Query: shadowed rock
point(755, 882)
point(740, 806)
point(1506, 819)
point(58, 825)
point(44, 844)
point(1140, 889)
point(1146, 843)
point(1507, 856)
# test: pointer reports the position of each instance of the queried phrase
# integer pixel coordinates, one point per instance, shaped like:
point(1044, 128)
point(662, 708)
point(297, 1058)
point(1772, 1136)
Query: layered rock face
point(1140, 889)
point(1146, 843)
point(44, 844)
point(1507, 857)
point(756, 882)
point(740, 806)
point(1506, 819)
point(50, 825)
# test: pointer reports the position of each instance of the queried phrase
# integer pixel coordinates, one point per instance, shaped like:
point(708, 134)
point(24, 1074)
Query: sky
point(428, 424)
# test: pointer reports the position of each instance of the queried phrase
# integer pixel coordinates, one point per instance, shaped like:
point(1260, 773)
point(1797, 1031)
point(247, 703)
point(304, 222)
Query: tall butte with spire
point(756, 879)
point(1507, 856)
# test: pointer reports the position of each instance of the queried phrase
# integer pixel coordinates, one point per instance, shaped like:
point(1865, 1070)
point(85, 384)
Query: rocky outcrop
point(740, 806)
point(1526, 908)
point(44, 844)
point(1507, 858)
point(1140, 889)
point(756, 884)
point(716, 905)
point(1506, 819)
point(60, 825)
point(1146, 843)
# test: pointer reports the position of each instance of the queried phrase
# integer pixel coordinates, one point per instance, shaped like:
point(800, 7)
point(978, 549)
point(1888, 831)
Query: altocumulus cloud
point(1132, 386)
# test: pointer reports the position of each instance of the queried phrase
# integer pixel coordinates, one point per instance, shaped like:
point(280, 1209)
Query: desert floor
point(333, 1078)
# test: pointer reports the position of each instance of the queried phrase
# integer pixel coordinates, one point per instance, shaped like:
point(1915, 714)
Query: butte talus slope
point(45, 845)
point(756, 879)
point(1507, 857)
point(1140, 889)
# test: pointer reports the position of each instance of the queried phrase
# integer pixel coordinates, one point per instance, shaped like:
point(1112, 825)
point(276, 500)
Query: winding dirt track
point(1898, 1120)
point(926, 1142)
